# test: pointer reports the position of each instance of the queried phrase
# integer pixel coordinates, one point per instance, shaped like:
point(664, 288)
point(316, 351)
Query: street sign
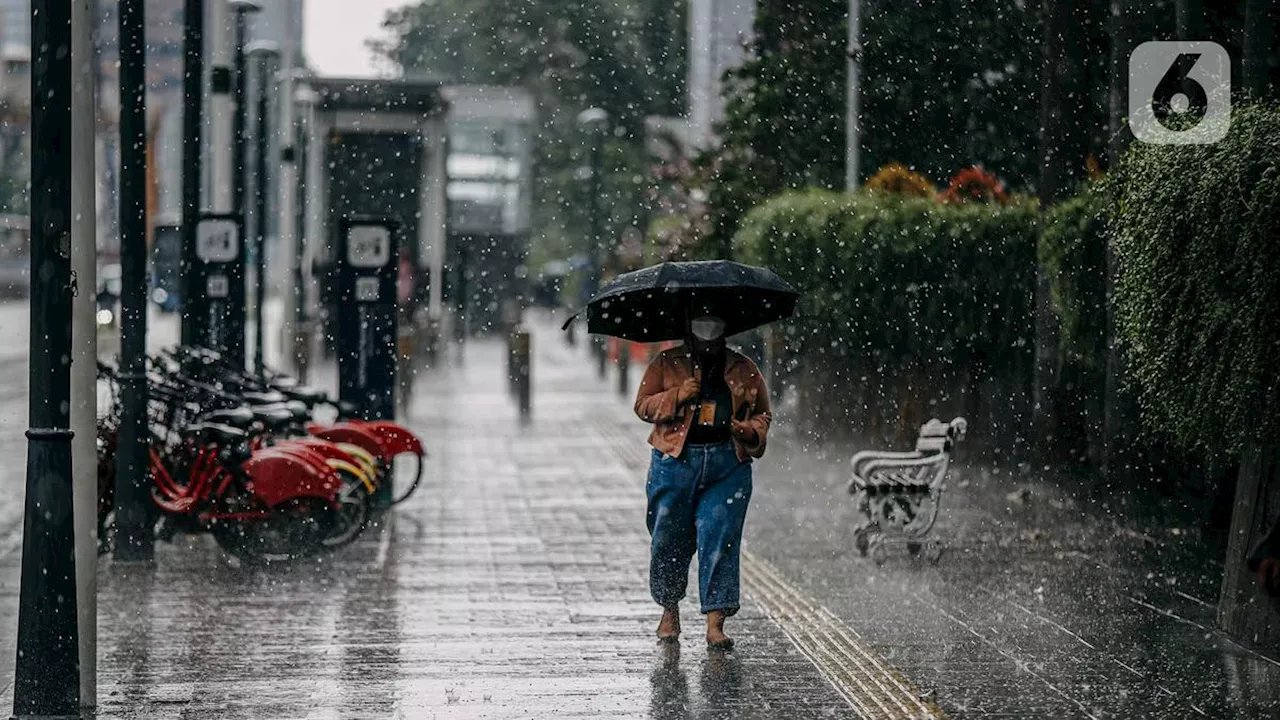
point(217, 304)
point(366, 291)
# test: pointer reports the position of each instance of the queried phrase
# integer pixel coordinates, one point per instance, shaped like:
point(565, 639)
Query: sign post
point(366, 287)
point(217, 285)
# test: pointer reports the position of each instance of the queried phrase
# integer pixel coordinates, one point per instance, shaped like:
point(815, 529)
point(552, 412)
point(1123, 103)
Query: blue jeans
point(697, 502)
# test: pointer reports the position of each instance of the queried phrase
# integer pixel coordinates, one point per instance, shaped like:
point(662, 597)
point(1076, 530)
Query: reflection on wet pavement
point(514, 585)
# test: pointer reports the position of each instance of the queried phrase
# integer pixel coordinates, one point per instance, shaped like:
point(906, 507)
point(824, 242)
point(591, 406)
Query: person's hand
point(688, 390)
point(743, 432)
point(1269, 576)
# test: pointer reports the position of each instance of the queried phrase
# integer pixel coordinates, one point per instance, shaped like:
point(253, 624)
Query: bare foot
point(669, 626)
point(716, 639)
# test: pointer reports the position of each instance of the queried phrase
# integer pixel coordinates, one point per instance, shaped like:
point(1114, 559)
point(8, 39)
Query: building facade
point(719, 39)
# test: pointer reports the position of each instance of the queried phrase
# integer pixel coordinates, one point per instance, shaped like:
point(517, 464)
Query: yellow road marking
point(872, 687)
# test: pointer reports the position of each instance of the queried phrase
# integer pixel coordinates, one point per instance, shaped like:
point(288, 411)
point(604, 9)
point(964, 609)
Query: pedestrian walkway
point(514, 585)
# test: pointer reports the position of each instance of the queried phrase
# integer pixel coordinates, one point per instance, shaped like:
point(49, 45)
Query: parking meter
point(366, 265)
point(217, 286)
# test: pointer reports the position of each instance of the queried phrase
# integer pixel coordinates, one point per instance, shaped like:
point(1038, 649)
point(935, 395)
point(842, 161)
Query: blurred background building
point(719, 37)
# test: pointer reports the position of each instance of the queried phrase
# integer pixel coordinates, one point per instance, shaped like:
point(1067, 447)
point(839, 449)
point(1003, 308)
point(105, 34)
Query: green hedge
point(1197, 231)
point(905, 299)
point(1073, 252)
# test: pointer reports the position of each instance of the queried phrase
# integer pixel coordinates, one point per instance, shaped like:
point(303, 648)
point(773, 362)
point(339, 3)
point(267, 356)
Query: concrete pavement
point(514, 585)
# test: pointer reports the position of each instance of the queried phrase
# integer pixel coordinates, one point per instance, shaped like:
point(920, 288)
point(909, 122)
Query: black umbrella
point(656, 303)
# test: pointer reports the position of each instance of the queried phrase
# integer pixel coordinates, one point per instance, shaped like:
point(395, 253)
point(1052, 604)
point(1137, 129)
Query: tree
point(1259, 27)
point(783, 124)
point(1198, 301)
point(944, 86)
point(627, 58)
point(1190, 14)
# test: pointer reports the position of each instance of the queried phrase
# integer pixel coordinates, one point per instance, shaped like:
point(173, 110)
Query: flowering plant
point(975, 184)
point(897, 179)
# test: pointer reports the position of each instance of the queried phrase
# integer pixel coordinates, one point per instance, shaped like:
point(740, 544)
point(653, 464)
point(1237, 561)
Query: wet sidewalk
point(513, 585)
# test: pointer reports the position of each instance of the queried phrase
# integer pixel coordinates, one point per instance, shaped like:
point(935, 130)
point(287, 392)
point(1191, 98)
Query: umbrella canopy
point(657, 302)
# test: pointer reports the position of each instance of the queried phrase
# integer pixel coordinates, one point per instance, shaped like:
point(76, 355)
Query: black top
point(711, 414)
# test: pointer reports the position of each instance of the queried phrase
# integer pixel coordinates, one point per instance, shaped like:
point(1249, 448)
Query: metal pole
point(263, 53)
point(853, 138)
point(192, 100)
point(84, 340)
point(595, 246)
point(260, 223)
point(134, 540)
point(289, 201)
point(301, 355)
point(221, 112)
point(313, 229)
point(594, 250)
point(47, 671)
point(239, 146)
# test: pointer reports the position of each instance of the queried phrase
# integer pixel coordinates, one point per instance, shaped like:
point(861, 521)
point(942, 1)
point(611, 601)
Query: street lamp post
point(47, 671)
point(239, 155)
point(309, 157)
point(134, 537)
point(853, 139)
point(595, 121)
point(264, 55)
point(192, 97)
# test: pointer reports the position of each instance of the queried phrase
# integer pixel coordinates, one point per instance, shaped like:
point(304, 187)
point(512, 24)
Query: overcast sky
point(335, 32)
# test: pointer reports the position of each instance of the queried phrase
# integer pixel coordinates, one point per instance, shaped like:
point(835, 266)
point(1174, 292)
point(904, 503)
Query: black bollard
point(624, 368)
point(599, 347)
point(521, 370)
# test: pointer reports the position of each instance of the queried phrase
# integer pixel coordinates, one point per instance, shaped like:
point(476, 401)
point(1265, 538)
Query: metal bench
point(899, 493)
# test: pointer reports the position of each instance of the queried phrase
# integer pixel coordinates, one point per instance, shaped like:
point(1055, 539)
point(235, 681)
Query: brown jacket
point(656, 401)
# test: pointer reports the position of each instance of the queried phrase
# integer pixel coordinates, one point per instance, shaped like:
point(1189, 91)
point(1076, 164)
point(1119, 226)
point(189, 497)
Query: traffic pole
point(192, 150)
point(134, 539)
point(288, 143)
point(84, 339)
point(313, 194)
point(221, 111)
point(264, 55)
point(47, 672)
point(239, 143)
point(595, 246)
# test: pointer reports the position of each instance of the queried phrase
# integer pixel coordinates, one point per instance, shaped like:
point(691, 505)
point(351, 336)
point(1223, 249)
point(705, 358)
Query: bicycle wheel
point(293, 530)
point(348, 520)
point(413, 486)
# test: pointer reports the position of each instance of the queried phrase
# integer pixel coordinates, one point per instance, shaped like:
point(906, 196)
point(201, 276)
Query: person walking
point(710, 412)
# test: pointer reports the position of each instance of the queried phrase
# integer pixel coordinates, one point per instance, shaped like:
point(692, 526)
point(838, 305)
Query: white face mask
point(707, 328)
